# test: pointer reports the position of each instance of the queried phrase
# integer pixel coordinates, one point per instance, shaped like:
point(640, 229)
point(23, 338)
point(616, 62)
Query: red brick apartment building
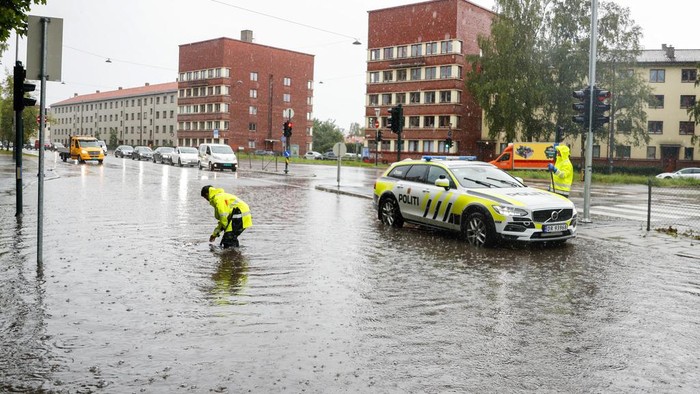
point(417, 58)
point(237, 92)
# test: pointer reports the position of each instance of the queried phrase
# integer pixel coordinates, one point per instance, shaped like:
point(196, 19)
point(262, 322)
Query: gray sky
point(142, 37)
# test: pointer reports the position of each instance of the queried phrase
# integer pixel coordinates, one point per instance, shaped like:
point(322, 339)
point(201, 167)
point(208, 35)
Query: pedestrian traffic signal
point(582, 108)
point(379, 136)
point(600, 107)
point(448, 143)
point(20, 87)
point(396, 119)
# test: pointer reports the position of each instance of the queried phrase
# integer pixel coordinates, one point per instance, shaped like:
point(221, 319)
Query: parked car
point(184, 156)
point(102, 145)
point(690, 172)
point(330, 156)
point(162, 154)
point(312, 155)
point(141, 153)
point(123, 151)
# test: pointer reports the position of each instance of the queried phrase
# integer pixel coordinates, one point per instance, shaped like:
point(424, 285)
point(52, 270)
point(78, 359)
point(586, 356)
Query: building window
point(374, 77)
point(287, 81)
point(656, 127)
point(430, 73)
point(388, 53)
point(688, 153)
point(622, 151)
point(287, 97)
point(431, 48)
point(416, 50)
point(401, 74)
point(651, 152)
point(386, 99)
point(689, 75)
point(596, 151)
point(445, 72)
point(252, 126)
point(415, 74)
point(253, 93)
point(414, 122)
point(388, 76)
point(373, 99)
point(446, 96)
point(657, 101)
point(414, 97)
point(413, 146)
point(253, 76)
point(657, 75)
point(400, 98)
point(429, 121)
point(252, 110)
point(687, 101)
point(402, 52)
point(444, 121)
point(427, 146)
point(686, 128)
point(446, 46)
point(429, 97)
point(374, 54)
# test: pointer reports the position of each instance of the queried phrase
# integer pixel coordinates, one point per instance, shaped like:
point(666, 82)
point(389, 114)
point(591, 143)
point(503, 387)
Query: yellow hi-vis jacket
point(223, 204)
point(564, 175)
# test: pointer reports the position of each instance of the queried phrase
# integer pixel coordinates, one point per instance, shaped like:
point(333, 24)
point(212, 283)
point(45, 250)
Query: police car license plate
point(552, 228)
point(227, 164)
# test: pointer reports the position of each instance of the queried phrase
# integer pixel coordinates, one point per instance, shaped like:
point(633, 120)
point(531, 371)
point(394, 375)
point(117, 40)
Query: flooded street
point(321, 297)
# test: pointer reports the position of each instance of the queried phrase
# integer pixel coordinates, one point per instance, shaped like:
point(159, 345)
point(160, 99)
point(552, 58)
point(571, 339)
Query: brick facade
point(417, 57)
point(256, 83)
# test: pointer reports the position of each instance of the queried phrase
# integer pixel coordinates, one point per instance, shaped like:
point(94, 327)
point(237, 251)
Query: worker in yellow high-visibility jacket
point(562, 172)
point(232, 213)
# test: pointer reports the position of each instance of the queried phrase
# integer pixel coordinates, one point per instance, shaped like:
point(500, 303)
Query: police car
point(475, 198)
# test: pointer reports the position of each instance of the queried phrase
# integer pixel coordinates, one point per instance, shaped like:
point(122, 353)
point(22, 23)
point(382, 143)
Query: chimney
point(670, 52)
point(75, 94)
point(247, 35)
point(147, 84)
point(97, 91)
point(120, 88)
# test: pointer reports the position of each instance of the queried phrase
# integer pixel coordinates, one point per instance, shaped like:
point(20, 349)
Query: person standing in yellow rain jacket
point(232, 214)
point(562, 172)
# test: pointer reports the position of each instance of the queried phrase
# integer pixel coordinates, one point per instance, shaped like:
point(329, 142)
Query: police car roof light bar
point(465, 158)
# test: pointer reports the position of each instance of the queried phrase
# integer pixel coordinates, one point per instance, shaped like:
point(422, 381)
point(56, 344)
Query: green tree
point(694, 111)
point(537, 54)
point(326, 134)
point(7, 114)
point(13, 16)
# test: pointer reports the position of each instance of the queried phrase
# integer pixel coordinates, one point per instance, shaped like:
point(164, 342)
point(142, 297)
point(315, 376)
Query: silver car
point(184, 156)
point(142, 153)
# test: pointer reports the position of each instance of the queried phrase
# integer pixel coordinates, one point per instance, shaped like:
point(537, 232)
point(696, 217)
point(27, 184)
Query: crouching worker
point(232, 214)
point(562, 172)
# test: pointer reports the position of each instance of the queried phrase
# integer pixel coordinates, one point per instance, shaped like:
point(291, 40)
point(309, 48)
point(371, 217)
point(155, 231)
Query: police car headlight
point(507, 210)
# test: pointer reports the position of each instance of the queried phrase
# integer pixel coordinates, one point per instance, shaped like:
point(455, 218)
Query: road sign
point(288, 113)
point(340, 149)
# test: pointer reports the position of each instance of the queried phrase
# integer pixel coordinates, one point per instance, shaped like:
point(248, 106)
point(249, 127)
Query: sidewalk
point(627, 232)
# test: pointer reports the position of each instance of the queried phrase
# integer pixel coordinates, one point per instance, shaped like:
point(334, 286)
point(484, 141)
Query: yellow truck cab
point(82, 148)
point(526, 156)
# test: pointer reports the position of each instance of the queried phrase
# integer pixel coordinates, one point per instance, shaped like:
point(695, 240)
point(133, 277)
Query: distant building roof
point(669, 54)
point(120, 93)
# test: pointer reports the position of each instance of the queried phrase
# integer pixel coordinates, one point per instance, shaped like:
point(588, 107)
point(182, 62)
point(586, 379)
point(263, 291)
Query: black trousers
point(230, 238)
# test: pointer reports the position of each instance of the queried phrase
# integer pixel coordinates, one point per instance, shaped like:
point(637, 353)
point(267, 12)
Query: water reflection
point(230, 278)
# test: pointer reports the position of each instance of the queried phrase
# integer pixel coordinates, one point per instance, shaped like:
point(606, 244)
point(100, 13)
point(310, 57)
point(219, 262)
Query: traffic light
point(582, 107)
point(396, 119)
point(287, 129)
point(448, 143)
point(20, 88)
point(379, 136)
point(600, 107)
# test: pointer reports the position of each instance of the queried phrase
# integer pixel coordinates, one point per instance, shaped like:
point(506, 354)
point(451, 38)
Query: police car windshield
point(484, 177)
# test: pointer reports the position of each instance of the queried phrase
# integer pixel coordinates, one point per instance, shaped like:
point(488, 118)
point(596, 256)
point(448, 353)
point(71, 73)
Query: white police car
point(475, 198)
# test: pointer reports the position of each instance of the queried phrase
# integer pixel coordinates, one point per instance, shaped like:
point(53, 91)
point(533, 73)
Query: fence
point(674, 208)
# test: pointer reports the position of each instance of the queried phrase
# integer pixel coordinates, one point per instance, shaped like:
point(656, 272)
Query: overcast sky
point(141, 37)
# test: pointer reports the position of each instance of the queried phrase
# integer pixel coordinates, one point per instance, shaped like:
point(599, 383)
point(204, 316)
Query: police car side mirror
point(443, 182)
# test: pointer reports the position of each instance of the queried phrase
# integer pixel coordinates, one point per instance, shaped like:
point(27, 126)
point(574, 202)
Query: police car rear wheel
point(391, 216)
point(479, 230)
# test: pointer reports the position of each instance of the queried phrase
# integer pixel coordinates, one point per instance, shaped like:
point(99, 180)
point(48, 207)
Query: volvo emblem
point(554, 216)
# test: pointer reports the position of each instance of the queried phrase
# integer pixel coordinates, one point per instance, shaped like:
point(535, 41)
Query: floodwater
point(321, 297)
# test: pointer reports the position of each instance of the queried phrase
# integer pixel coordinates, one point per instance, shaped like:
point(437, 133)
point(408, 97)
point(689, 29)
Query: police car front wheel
point(390, 214)
point(479, 230)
